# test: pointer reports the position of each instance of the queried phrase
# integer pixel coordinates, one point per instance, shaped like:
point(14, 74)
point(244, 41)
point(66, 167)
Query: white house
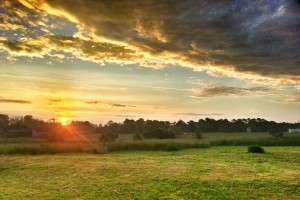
point(294, 130)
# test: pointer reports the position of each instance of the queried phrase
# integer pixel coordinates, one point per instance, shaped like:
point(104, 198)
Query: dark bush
point(55, 137)
point(160, 134)
point(275, 131)
point(198, 135)
point(255, 149)
point(138, 137)
point(108, 136)
point(176, 130)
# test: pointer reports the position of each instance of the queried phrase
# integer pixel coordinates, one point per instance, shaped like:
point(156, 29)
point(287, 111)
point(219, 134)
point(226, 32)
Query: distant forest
point(130, 126)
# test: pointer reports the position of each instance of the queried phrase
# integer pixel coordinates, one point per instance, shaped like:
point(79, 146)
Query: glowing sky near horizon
point(166, 60)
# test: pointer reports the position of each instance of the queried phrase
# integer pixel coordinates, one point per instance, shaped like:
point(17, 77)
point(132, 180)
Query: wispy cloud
point(91, 102)
point(200, 114)
point(56, 100)
point(121, 105)
point(17, 101)
point(292, 100)
point(109, 104)
point(124, 115)
point(221, 90)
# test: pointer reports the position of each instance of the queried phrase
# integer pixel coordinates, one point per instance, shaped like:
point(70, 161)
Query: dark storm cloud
point(215, 91)
point(251, 36)
point(255, 37)
point(18, 101)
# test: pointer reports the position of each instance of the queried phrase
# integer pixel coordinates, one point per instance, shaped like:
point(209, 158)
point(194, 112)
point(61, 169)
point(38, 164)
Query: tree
point(138, 137)
point(275, 131)
point(139, 125)
point(108, 136)
point(160, 134)
point(128, 126)
point(4, 121)
point(175, 129)
point(182, 125)
point(192, 126)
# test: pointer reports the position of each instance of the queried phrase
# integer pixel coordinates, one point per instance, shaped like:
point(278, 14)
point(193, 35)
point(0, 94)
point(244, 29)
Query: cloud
point(17, 101)
point(86, 49)
point(201, 114)
point(91, 102)
point(117, 105)
point(236, 38)
point(109, 104)
point(292, 100)
point(124, 115)
point(121, 105)
point(56, 100)
point(221, 90)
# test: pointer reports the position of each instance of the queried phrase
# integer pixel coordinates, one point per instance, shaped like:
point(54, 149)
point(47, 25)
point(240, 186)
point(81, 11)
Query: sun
point(64, 120)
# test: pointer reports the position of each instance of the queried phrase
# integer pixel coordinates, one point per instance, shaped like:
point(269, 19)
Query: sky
point(155, 59)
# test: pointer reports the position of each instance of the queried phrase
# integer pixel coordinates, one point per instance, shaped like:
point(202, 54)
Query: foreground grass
point(213, 173)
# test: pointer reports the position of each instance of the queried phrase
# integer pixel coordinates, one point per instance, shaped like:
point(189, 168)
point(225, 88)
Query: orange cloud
point(224, 39)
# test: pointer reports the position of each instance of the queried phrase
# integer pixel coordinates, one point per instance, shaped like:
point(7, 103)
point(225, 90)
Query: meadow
point(90, 143)
point(210, 173)
point(181, 168)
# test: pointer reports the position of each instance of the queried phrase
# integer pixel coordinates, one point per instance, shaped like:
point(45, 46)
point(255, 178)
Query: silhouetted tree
point(192, 126)
point(182, 125)
point(4, 121)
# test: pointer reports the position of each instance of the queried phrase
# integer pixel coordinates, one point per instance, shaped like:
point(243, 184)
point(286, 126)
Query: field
point(85, 170)
point(213, 173)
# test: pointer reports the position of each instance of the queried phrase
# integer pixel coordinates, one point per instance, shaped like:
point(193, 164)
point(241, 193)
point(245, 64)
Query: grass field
point(90, 143)
point(211, 173)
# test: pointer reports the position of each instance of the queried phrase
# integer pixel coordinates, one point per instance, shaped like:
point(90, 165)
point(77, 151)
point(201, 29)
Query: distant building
point(18, 130)
point(249, 130)
point(294, 130)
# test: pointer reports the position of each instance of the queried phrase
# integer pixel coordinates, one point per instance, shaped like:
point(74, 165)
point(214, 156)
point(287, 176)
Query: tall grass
point(285, 141)
point(39, 146)
point(54, 148)
point(4, 140)
point(155, 146)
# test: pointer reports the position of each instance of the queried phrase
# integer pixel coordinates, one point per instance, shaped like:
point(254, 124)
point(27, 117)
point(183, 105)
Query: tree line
point(202, 125)
point(130, 126)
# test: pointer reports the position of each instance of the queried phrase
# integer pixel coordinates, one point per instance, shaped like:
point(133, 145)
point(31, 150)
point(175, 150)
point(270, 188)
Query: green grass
point(90, 143)
point(209, 173)
point(155, 145)
point(51, 148)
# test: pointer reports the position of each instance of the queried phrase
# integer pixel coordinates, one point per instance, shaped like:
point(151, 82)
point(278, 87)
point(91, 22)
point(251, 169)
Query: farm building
point(18, 130)
point(294, 130)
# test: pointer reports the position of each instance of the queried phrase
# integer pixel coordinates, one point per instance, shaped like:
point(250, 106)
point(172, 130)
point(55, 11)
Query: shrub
point(275, 132)
point(176, 130)
point(138, 137)
point(55, 137)
point(160, 134)
point(255, 149)
point(198, 135)
point(108, 136)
